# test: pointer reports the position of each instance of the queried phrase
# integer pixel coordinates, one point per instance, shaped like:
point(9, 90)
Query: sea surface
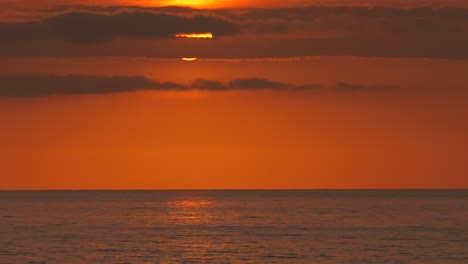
point(320, 226)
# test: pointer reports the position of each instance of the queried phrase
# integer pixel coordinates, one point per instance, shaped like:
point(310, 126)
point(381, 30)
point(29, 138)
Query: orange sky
point(97, 96)
point(145, 141)
point(404, 137)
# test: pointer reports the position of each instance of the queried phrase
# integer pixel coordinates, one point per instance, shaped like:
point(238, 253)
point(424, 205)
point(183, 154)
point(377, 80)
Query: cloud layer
point(90, 27)
point(255, 33)
point(42, 85)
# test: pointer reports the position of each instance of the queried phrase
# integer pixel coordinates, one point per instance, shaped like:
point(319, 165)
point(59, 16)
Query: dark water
point(234, 227)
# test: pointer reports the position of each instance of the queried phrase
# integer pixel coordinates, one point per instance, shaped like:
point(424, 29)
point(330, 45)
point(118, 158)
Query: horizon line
point(246, 189)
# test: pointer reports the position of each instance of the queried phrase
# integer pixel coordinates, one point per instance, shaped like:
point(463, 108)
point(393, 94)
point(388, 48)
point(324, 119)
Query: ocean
point(317, 226)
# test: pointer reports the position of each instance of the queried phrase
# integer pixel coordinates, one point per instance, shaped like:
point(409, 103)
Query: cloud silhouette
point(41, 85)
point(47, 85)
point(342, 86)
point(373, 88)
point(90, 27)
point(256, 83)
point(203, 84)
point(352, 18)
point(307, 31)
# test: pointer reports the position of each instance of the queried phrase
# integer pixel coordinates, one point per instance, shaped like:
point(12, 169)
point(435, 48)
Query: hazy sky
point(296, 94)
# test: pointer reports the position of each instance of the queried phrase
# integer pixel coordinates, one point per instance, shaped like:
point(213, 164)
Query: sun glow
point(194, 35)
point(189, 59)
point(191, 3)
point(205, 4)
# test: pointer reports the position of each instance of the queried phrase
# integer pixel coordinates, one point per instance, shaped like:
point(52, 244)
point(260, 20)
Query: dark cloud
point(355, 18)
point(42, 85)
point(342, 86)
point(307, 31)
point(38, 85)
point(93, 27)
point(363, 31)
point(362, 11)
point(203, 84)
point(256, 83)
point(117, 9)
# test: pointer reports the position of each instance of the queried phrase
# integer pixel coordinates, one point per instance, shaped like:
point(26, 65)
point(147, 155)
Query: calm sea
point(410, 226)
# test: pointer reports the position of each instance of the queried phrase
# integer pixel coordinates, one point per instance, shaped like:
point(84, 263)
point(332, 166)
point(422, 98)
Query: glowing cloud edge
point(204, 35)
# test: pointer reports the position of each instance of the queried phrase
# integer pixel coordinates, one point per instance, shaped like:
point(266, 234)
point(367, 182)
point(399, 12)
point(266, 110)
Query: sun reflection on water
point(192, 203)
point(191, 211)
